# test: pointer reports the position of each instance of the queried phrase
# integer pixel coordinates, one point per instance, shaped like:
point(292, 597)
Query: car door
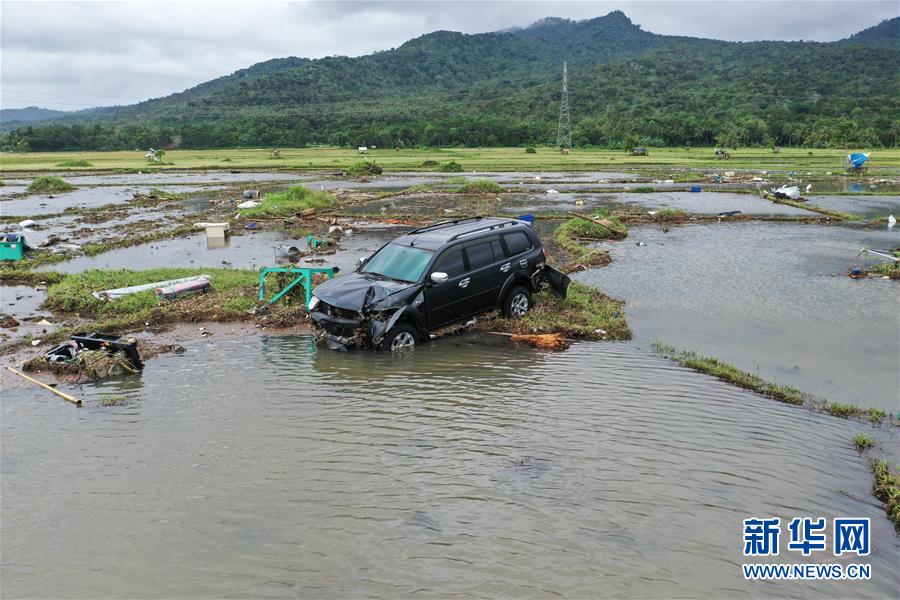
point(447, 302)
point(518, 245)
point(487, 271)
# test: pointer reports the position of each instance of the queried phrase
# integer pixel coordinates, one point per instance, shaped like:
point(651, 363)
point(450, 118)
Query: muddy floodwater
point(263, 467)
point(772, 298)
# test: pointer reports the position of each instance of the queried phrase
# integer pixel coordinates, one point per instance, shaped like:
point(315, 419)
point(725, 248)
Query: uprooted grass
point(783, 393)
point(479, 186)
point(291, 201)
point(75, 163)
point(585, 313)
point(886, 488)
point(49, 184)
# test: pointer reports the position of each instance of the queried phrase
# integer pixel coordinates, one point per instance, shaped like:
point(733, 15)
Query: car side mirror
point(361, 261)
point(438, 278)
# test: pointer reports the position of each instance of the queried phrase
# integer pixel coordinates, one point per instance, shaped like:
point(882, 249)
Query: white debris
point(552, 192)
point(44, 322)
point(891, 222)
point(729, 173)
point(27, 223)
point(35, 342)
point(248, 204)
point(808, 188)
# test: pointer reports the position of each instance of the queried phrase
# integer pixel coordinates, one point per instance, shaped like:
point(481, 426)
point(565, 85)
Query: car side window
point(497, 249)
point(480, 254)
point(451, 262)
point(517, 242)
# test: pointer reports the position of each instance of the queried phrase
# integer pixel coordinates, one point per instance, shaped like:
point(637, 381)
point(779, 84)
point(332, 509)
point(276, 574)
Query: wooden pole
point(62, 395)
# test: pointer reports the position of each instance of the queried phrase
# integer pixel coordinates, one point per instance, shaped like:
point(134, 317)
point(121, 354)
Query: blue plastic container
point(696, 189)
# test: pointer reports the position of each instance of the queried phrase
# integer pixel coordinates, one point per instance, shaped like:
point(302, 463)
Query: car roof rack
point(505, 223)
point(443, 224)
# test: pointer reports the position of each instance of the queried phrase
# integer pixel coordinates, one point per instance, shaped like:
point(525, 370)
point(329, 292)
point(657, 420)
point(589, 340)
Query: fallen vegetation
point(49, 184)
point(748, 381)
point(886, 488)
point(586, 313)
point(289, 202)
point(71, 164)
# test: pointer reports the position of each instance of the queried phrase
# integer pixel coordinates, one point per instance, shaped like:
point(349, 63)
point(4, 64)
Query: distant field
point(660, 160)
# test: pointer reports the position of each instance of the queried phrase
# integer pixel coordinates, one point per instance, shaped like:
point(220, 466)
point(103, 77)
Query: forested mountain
point(29, 113)
point(627, 86)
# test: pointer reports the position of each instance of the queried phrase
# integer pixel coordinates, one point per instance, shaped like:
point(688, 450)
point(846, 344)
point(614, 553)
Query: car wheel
point(400, 338)
point(518, 302)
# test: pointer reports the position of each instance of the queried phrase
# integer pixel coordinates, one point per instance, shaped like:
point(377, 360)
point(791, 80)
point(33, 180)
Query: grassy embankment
point(816, 161)
point(783, 393)
point(290, 202)
point(572, 235)
point(49, 184)
point(234, 294)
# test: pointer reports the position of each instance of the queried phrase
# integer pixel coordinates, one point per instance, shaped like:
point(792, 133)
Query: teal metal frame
point(304, 276)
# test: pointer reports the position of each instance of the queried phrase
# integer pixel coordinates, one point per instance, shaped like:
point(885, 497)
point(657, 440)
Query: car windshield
point(394, 261)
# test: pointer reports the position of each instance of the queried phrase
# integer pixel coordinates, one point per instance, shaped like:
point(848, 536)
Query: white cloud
point(71, 55)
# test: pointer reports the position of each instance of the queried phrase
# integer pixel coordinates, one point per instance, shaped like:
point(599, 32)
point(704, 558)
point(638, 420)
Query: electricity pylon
point(564, 130)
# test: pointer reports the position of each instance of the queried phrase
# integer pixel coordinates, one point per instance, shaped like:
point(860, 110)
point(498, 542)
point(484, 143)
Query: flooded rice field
point(772, 298)
point(89, 197)
point(704, 203)
point(865, 206)
point(22, 303)
point(261, 466)
point(184, 177)
point(246, 251)
point(467, 469)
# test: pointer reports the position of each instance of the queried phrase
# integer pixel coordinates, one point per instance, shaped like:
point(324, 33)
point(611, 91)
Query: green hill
point(627, 86)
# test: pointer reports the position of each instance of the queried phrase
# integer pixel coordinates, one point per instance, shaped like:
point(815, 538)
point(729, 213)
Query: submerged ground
point(260, 465)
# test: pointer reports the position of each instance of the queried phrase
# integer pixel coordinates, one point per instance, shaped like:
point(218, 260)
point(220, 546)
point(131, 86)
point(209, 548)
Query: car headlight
point(313, 303)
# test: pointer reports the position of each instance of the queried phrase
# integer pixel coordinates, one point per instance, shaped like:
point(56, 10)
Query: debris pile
point(94, 356)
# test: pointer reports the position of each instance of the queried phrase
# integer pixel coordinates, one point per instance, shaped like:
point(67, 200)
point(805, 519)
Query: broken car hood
point(355, 291)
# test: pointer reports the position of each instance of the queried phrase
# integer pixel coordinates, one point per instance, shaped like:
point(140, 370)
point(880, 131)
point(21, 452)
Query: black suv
point(430, 278)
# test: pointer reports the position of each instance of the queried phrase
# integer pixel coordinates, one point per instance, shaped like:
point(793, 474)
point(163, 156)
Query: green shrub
point(886, 488)
point(430, 164)
point(644, 189)
point(50, 184)
point(479, 186)
point(451, 167)
point(530, 150)
point(863, 441)
point(363, 168)
point(74, 163)
point(289, 202)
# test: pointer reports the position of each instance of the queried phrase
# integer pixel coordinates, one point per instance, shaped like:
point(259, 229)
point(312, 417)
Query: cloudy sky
point(72, 55)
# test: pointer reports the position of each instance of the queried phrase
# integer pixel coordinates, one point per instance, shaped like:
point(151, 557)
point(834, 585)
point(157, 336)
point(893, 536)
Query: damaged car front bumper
point(342, 330)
